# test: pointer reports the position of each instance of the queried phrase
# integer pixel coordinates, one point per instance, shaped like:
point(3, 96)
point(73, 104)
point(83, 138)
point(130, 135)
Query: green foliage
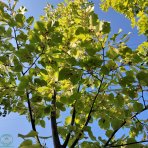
point(30, 134)
point(134, 10)
point(67, 62)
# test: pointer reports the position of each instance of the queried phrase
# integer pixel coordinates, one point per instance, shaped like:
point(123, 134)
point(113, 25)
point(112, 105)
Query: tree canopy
point(68, 62)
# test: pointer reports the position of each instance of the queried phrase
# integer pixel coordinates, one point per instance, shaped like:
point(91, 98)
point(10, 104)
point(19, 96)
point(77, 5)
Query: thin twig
point(115, 131)
point(143, 141)
point(15, 36)
point(143, 97)
point(32, 64)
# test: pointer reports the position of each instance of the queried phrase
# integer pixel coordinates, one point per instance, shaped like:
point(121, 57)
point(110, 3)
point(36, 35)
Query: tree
point(66, 62)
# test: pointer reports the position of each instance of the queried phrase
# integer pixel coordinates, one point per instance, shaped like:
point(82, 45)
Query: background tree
point(67, 62)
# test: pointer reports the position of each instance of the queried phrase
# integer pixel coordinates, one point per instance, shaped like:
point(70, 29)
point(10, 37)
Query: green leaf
point(30, 134)
point(30, 20)
point(75, 77)
point(68, 120)
point(91, 51)
point(142, 76)
point(27, 142)
point(22, 37)
point(130, 140)
point(93, 19)
point(60, 106)
point(108, 133)
point(116, 123)
point(3, 59)
point(127, 80)
point(40, 82)
point(105, 27)
point(36, 98)
point(105, 70)
point(47, 110)
point(93, 62)
point(20, 19)
point(62, 131)
point(24, 55)
point(31, 48)
point(30, 146)
point(104, 123)
point(34, 37)
point(2, 5)
point(42, 123)
point(111, 65)
point(2, 29)
point(80, 30)
point(39, 26)
point(137, 107)
point(119, 100)
point(64, 74)
point(17, 65)
point(56, 38)
point(23, 83)
point(112, 53)
point(125, 51)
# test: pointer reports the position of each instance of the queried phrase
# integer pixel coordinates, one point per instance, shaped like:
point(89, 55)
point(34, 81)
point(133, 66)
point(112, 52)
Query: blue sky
point(13, 123)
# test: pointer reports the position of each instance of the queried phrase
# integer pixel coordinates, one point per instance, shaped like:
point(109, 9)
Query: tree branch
point(91, 109)
point(15, 36)
point(55, 134)
point(143, 96)
point(72, 121)
point(17, 44)
point(88, 118)
point(32, 64)
point(27, 94)
point(115, 131)
point(31, 118)
point(128, 143)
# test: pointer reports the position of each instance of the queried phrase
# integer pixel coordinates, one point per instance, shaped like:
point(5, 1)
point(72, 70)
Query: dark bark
point(55, 135)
